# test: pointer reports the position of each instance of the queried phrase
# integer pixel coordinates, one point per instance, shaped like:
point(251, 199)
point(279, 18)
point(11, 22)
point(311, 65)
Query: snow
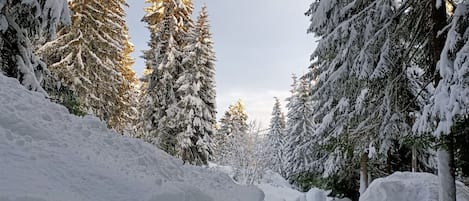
point(407, 186)
point(46, 154)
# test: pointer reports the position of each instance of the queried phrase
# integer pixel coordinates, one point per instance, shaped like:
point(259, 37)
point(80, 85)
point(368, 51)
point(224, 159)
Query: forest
point(386, 91)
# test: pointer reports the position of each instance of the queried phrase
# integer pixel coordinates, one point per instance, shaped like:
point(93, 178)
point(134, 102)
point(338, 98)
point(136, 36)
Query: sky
point(259, 45)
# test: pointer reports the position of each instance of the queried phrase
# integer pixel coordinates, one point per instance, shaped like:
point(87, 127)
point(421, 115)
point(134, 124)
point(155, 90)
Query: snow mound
point(46, 154)
point(406, 186)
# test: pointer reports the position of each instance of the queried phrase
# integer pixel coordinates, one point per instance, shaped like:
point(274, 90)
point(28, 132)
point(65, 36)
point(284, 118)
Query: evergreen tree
point(275, 154)
point(169, 23)
point(365, 87)
point(447, 107)
point(196, 107)
point(23, 25)
point(300, 150)
point(90, 59)
point(125, 116)
point(233, 129)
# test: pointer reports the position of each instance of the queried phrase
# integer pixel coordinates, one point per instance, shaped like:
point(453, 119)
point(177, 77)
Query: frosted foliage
point(90, 58)
point(23, 29)
point(450, 100)
point(275, 145)
point(362, 93)
point(300, 152)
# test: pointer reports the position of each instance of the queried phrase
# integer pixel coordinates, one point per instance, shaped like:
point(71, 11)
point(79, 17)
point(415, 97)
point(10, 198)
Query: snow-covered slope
point(46, 154)
point(406, 186)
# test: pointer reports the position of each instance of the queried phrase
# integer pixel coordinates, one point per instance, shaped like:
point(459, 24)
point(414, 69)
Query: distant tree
point(233, 129)
point(299, 151)
point(275, 145)
point(23, 25)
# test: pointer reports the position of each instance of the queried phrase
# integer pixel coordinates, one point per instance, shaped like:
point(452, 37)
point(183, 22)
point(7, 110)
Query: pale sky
point(258, 43)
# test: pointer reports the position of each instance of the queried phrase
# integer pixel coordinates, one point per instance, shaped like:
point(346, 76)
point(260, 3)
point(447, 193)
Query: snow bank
point(406, 186)
point(46, 154)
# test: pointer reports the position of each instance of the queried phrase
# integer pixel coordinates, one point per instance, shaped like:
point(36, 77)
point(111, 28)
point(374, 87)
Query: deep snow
point(407, 186)
point(46, 154)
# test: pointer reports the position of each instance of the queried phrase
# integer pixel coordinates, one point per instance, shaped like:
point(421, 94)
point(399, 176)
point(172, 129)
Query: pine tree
point(447, 107)
point(169, 23)
point(233, 129)
point(275, 153)
point(366, 82)
point(23, 25)
point(196, 107)
point(90, 58)
point(125, 115)
point(300, 128)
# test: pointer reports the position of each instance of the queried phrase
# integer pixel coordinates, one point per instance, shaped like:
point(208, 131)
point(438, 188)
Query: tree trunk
point(414, 158)
point(364, 173)
point(438, 40)
point(446, 170)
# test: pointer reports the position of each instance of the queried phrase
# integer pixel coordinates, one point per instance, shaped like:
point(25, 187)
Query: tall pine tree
point(275, 145)
point(196, 107)
point(90, 59)
point(170, 24)
point(299, 130)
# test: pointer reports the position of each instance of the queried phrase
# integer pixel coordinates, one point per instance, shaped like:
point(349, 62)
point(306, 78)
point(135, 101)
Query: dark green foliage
point(461, 135)
point(342, 185)
point(63, 95)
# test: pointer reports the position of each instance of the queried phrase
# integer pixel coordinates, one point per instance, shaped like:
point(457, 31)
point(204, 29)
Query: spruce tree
point(169, 23)
point(447, 106)
point(300, 130)
point(23, 25)
point(233, 129)
point(275, 153)
point(196, 107)
point(89, 58)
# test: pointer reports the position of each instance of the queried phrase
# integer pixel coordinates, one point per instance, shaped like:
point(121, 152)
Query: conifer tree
point(125, 115)
point(275, 146)
point(169, 23)
point(196, 107)
point(447, 106)
point(23, 25)
point(233, 129)
point(91, 58)
point(300, 129)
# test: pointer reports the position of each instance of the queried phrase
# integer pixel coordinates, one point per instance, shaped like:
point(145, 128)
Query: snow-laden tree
point(196, 116)
point(449, 103)
point(300, 150)
point(169, 23)
point(238, 144)
point(233, 129)
point(275, 141)
point(203, 45)
point(89, 58)
point(160, 92)
point(125, 116)
point(23, 25)
point(365, 83)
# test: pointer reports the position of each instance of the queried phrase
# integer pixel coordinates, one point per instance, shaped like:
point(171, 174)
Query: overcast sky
point(259, 44)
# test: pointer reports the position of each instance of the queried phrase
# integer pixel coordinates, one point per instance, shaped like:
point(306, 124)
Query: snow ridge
point(48, 154)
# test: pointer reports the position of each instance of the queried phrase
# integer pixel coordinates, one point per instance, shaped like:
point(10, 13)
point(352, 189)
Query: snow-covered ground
point(46, 154)
point(406, 186)
point(276, 188)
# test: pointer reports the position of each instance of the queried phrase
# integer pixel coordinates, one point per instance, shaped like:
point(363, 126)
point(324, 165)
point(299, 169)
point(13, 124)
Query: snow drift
point(406, 186)
point(46, 154)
